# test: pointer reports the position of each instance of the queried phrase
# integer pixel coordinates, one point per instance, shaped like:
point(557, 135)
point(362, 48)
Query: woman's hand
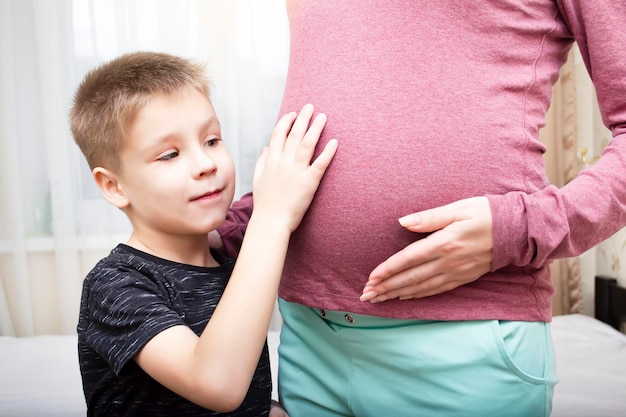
point(458, 251)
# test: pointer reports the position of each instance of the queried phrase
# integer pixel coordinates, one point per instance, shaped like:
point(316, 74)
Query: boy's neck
point(190, 250)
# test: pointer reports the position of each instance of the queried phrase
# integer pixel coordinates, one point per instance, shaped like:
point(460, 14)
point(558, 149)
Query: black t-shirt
point(128, 298)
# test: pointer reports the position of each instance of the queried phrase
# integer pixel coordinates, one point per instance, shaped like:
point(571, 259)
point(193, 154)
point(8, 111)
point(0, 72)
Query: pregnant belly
point(341, 240)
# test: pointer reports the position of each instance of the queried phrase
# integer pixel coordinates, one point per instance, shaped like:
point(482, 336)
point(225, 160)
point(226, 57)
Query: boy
point(167, 325)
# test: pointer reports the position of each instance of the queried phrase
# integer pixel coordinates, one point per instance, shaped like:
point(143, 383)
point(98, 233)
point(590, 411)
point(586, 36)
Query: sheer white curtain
point(53, 223)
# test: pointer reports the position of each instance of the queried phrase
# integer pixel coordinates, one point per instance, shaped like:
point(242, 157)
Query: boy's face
point(177, 174)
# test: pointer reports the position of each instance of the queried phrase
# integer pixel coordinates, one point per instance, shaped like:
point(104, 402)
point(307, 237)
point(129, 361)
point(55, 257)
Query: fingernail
point(372, 282)
point(368, 295)
point(415, 220)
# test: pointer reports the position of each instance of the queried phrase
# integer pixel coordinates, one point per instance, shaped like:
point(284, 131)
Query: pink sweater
point(432, 104)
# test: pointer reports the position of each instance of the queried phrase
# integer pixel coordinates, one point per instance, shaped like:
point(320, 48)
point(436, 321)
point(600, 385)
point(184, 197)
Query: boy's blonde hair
point(111, 95)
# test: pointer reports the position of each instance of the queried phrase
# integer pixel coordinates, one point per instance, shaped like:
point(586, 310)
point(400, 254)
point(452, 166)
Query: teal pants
point(341, 364)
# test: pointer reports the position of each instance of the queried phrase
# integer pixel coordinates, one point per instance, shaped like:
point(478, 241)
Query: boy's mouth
point(208, 195)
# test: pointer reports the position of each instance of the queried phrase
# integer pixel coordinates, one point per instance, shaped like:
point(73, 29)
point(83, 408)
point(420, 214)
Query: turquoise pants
point(341, 364)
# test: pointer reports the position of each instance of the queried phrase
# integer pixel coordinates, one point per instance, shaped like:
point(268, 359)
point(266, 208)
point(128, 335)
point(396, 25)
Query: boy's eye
point(167, 156)
point(211, 142)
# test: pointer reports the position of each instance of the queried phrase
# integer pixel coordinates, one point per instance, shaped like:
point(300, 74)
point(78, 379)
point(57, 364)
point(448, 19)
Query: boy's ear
point(110, 187)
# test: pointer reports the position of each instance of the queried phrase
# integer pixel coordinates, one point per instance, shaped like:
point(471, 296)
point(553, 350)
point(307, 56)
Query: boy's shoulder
point(120, 268)
point(121, 257)
point(126, 266)
point(129, 263)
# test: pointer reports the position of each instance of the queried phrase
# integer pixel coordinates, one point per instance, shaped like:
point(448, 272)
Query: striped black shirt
point(128, 298)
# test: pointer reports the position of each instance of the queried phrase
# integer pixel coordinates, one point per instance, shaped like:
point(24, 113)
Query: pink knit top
point(432, 104)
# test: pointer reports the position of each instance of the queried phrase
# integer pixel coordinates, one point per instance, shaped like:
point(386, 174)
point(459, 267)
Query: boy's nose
point(203, 164)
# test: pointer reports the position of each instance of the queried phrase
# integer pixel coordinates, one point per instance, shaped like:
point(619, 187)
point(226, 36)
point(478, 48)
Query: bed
point(591, 357)
point(39, 375)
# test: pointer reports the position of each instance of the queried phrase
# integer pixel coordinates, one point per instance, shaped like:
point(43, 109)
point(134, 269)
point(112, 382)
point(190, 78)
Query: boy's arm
point(215, 369)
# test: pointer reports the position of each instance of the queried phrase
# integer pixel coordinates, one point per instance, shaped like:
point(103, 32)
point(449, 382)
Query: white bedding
point(591, 364)
point(39, 376)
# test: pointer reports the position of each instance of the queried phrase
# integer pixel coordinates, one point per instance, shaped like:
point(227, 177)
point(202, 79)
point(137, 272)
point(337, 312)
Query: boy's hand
point(285, 179)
